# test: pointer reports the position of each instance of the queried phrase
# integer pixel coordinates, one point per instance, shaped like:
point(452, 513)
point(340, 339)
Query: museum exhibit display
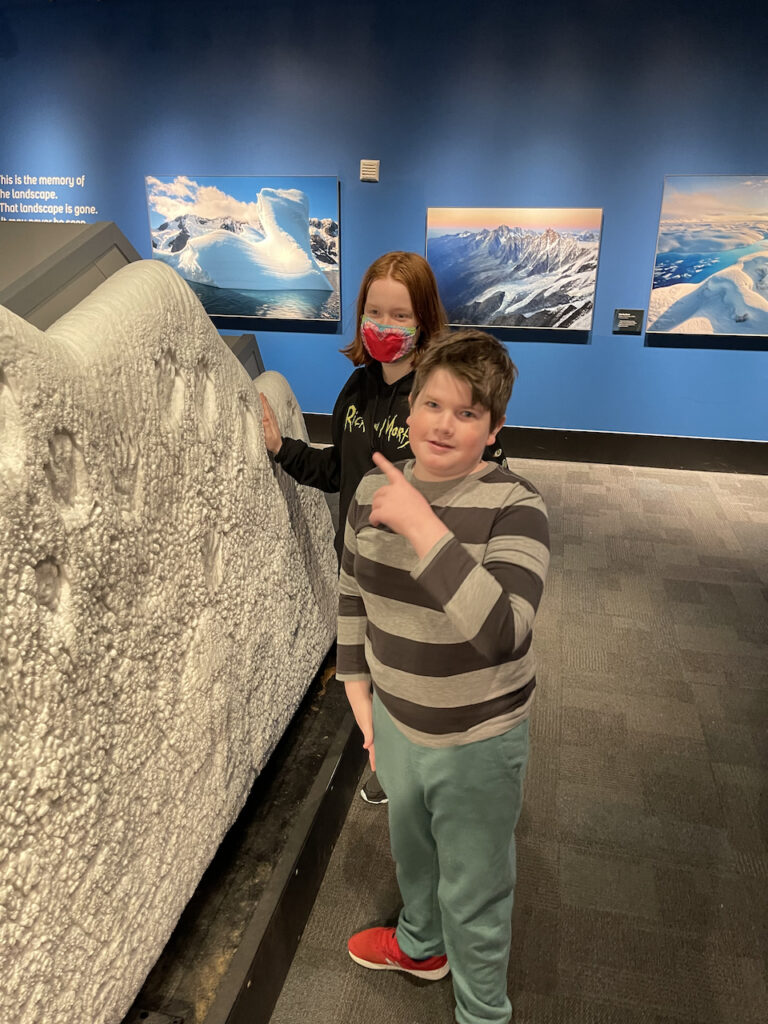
point(251, 246)
point(710, 275)
point(46, 268)
point(169, 595)
point(500, 267)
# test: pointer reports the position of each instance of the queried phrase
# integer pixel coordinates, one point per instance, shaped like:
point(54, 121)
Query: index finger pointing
point(391, 472)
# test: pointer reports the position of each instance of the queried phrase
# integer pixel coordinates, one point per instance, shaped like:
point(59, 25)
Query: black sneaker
point(372, 792)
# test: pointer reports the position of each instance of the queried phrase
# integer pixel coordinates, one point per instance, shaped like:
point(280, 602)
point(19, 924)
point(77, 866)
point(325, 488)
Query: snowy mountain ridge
point(515, 276)
point(532, 252)
point(172, 235)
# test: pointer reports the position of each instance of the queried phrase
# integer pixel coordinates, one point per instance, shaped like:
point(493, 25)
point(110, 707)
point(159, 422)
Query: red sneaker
point(377, 948)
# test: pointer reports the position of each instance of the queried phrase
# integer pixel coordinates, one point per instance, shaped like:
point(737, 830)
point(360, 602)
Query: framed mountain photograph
point(516, 267)
point(710, 276)
point(251, 246)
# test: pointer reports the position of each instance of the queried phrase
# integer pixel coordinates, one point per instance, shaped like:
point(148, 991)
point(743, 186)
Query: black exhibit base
point(228, 956)
point(707, 454)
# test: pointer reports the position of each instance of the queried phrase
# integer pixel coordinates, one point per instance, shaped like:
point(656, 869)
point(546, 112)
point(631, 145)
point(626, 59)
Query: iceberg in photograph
point(516, 267)
point(711, 270)
point(248, 248)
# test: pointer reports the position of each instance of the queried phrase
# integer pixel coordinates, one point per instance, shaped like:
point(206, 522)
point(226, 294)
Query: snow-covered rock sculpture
point(167, 597)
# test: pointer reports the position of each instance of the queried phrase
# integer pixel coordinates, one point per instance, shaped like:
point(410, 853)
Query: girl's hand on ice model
point(272, 436)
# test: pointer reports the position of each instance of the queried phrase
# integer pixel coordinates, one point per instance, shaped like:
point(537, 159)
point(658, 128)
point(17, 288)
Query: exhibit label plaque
point(628, 321)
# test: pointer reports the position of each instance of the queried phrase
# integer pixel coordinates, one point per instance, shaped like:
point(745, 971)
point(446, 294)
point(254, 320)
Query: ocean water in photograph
point(299, 304)
point(676, 267)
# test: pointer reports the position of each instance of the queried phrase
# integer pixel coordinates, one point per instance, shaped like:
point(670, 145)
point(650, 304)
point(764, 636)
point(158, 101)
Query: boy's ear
point(492, 436)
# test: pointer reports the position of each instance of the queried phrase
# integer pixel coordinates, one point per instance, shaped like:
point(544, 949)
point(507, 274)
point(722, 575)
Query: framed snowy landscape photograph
point(251, 246)
point(516, 267)
point(710, 276)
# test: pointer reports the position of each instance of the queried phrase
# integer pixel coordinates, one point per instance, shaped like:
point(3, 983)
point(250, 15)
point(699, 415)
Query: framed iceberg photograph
point(251, 246)
point(710, 275)
point(516, 267)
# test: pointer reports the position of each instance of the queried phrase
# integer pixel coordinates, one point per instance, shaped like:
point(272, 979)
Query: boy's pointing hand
point(398, 505)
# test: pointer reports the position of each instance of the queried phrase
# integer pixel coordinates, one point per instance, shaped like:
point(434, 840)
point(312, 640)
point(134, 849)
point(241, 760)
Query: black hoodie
point(369, 416)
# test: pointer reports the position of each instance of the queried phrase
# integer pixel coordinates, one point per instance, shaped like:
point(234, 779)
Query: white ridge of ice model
point(280, 260)
point(168, 595)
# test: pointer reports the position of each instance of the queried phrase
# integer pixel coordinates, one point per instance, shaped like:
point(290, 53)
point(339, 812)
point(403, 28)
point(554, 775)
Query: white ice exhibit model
point(168, 596)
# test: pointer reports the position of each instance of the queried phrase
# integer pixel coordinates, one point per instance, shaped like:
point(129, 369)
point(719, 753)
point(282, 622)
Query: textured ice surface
point(168, 594)
point(731, 301)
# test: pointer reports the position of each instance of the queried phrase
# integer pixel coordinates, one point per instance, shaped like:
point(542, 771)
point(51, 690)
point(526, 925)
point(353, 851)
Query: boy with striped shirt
point(442, 571)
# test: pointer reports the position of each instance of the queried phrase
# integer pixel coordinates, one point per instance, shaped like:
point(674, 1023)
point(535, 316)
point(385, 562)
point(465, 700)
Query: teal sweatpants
point(452, 818)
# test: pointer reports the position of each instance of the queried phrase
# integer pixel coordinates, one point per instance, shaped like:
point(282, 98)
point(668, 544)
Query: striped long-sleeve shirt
point(446, 639)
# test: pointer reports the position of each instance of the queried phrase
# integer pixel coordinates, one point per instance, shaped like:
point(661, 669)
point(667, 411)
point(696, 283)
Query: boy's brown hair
point(477, 358)
point(416, 274)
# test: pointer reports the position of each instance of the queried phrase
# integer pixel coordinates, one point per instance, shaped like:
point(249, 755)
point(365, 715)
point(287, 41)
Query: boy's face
point(447, 432)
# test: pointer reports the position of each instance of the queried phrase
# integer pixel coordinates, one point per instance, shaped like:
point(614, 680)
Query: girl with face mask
point(398, 311)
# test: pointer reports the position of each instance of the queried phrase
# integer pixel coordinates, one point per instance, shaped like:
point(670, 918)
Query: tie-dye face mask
point(386, 343)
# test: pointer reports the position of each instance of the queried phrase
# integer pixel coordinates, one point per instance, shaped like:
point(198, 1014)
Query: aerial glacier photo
point(251, 246)
point(711, 269)
point(508, 267)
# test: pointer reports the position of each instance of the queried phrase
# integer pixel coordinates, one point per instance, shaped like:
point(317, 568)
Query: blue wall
point(486, 104)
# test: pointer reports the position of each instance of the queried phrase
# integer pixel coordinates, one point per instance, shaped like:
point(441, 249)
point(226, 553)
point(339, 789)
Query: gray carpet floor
point(642, 848)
